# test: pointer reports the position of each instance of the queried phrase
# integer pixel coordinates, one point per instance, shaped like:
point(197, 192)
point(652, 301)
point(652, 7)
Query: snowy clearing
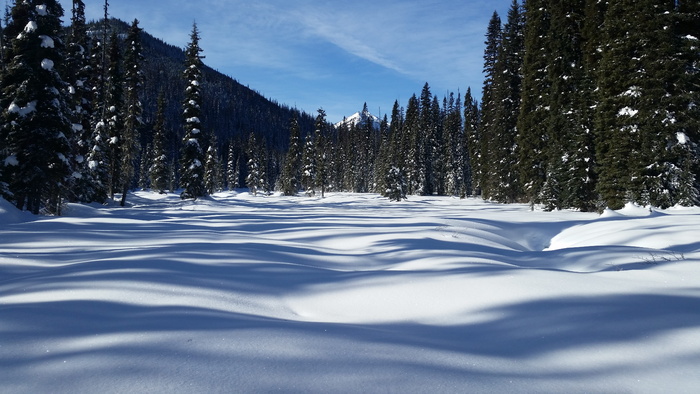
point(351, 293)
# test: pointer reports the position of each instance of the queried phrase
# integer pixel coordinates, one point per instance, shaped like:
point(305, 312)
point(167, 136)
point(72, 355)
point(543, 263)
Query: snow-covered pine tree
point(532, 133)
point(687, 148)
point(413, 149)
point(456, 158)
point(436, 148)
point(383, 160)
point(98, 156)
point(472, 145)
point(255, 180)
point(321, 154)
point(569, 146)
point(192, 157)
point(36, 129)
point(424, 138)
point(133, 81)
point(114, 105)
point(212, 167)
point(145, 163)
point(637, 116)
point(77, 71)
point(232, 167)
point(159, 170)
point(396, 185)
point(308, 171)
point(291, 173)
point(489, 108)
point(506, 97)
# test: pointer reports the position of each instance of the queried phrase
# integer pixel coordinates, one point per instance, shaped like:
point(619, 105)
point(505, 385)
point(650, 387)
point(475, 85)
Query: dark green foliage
point(159, 170)
point(37, 154)
point(192, 157)
point(133, 80)
point(534, 109)
point(291, 175)
point(471, 138)
point(503, 58)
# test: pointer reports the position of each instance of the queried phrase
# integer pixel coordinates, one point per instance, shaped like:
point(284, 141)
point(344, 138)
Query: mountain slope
point(230, 109)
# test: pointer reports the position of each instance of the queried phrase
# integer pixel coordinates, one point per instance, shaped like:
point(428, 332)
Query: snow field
point(351, 293)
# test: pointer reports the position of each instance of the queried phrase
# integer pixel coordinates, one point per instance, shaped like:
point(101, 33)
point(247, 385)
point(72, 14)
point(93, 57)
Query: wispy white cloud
point(337, 52)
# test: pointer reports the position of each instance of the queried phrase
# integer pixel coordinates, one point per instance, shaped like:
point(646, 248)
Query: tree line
point(590, 104)
point(586, 104)
point(93, 110)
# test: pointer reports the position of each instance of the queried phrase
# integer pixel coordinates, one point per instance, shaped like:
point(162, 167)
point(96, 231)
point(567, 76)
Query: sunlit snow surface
point(351, 293)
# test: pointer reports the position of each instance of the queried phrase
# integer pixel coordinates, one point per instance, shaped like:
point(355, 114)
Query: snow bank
point(9, 214)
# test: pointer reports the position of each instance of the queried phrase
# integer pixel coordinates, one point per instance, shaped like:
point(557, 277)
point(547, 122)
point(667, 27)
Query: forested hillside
point(586, 104)
point(229, 110)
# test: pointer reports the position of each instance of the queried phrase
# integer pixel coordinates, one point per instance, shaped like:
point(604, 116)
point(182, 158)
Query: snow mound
point(10, 214)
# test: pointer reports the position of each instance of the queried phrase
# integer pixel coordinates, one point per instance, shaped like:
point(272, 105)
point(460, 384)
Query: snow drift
point(351, 293)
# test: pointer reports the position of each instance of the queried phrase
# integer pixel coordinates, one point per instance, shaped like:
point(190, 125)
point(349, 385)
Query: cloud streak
point(336, 54)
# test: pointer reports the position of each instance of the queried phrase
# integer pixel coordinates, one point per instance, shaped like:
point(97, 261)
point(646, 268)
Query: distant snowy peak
point(360, 118)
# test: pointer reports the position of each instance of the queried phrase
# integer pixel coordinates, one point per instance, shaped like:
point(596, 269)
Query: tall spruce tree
point(308, 171)
point(413, 146)
point(291, 174)
point(532, 135)
point(320, 150)
point(77, 71)
point(232, 167)
point(489, 108)
point(114, 105)
point(98, 156)
point(159, 170)
point(36, 126)
point(569, 149)
point(192, 157)
point(502, 130)
point(686, 148)
point(636, 125)
point(133, 81)
point(472, 145)
point(212, 167)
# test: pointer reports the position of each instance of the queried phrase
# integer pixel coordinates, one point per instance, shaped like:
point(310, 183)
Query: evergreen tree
point(98, 156)
point(232, 167)
point(291, 175)
point(686, 147)
point(77, 72)
point(321, 155)
point(532, 136)
point(192, 173)
point(472, 144)
point(383, 160)
point(505, 109)
point(145, 164)
point(456, 169)
point(637, 117)
point(489, 107)
point(308, 172)
point(413, 146)
point(255, 181)
point(569, 149)
point(114, 105)
point(36, 129)
point(159, 170)
point(212, 165)
point(133, 80)
point(396, 183)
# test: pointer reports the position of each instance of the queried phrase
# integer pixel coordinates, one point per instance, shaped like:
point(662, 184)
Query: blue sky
point(334, 54)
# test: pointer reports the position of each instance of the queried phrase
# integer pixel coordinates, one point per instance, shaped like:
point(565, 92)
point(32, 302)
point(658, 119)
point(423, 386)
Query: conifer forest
point(585, 104)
